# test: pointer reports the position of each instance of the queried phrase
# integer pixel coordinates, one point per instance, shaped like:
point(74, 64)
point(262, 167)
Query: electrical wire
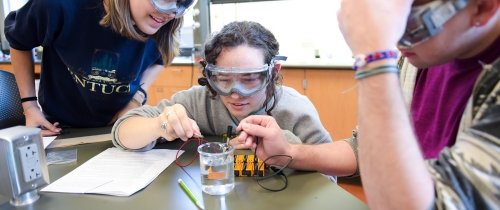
point(200, 142)
point(277, 171)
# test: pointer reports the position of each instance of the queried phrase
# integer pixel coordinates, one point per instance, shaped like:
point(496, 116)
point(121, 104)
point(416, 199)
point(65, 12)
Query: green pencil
point(189, 194)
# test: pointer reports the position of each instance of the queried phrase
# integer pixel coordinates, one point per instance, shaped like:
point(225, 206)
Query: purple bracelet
point(362, 60)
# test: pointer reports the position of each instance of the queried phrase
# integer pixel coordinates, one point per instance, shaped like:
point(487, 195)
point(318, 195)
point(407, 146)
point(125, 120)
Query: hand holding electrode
point(264, 134)
point(238, 143)
point(233, 140)
point(175, 123)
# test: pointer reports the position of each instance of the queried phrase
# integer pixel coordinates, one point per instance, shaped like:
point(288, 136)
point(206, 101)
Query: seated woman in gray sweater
point(241, 78)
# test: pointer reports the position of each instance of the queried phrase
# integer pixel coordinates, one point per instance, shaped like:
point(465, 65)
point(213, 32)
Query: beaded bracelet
point(362, 60)
point(377, 70)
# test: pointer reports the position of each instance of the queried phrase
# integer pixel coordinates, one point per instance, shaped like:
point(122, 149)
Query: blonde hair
point(118, 17)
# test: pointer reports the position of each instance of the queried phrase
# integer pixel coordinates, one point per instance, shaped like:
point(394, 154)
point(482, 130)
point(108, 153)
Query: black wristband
point(34, 98)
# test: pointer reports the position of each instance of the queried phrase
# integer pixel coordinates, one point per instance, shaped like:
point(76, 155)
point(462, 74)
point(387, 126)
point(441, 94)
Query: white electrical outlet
point(30, 162)
point(23, 165)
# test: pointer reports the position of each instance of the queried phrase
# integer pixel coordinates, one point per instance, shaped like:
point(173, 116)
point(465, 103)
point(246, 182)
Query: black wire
point(285, 180)
point(278, 170)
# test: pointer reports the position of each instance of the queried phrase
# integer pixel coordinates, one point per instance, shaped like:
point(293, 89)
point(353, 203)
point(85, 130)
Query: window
point(9, 5)
point(304, 28)
point(5, 7)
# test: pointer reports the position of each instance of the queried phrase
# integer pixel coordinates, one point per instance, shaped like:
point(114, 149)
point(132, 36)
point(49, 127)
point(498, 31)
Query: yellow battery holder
point(248, 165)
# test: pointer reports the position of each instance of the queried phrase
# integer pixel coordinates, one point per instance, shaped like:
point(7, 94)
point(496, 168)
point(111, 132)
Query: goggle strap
point(203, 63)
point(274, 59)
point(279, 58)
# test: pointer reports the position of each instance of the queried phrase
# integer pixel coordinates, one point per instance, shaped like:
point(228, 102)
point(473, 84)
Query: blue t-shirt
point(89, 72)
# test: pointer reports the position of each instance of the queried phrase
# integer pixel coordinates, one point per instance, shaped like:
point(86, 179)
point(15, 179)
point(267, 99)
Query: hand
point(35, 118)
point(131, 105)
point(369, 26)
point(179, 125)
point(272, 141)
point(238, 143)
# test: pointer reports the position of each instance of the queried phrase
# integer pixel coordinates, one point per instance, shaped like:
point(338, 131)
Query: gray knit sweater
point(294, 113)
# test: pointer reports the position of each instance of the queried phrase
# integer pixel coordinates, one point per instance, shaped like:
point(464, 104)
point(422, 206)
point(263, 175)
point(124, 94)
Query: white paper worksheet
point(115, 172)
point(47, 140)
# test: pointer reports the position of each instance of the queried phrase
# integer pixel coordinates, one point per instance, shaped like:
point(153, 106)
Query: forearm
point(389, 155)
point(336, 158)
point(23, 66)
point(138, 132)
point(148, 76)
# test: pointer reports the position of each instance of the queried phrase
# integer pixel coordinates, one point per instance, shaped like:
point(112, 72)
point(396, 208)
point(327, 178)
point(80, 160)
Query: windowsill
point(319, 63)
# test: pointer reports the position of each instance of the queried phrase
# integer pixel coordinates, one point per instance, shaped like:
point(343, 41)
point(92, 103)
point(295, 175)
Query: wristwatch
point(141, 96)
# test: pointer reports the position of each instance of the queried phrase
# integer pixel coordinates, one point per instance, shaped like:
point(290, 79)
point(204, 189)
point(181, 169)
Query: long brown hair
point(252, 34)
point(118, 16)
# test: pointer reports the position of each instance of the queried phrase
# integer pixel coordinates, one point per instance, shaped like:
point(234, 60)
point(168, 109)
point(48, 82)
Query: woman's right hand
point(35, 118)
point(178, 124)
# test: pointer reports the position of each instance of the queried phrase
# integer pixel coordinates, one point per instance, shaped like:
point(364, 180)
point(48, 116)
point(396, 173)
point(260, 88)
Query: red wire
point(200, 141)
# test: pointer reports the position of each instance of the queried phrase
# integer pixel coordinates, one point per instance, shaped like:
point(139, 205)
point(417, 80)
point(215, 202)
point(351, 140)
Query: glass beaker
point(216, 167)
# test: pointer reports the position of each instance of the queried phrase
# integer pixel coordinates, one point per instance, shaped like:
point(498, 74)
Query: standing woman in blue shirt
point(99, 56)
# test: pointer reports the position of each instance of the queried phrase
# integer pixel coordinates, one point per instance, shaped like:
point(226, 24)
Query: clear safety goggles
point(244, 81)
point(179, 7)
point(427, 20)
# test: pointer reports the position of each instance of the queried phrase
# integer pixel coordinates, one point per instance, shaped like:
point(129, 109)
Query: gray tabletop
point(306, 190)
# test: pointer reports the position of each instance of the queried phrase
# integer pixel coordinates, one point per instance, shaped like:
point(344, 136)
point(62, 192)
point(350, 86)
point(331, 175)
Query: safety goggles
point(244, 81)
point(179, 7)
point(427, 20)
